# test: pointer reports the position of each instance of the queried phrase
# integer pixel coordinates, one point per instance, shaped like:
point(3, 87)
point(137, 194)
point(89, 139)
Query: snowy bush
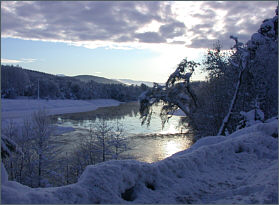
point(103, 142)
point(252, 117)
point(30, 166)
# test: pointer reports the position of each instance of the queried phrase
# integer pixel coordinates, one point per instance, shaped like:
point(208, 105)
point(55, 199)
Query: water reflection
point(172, 129)
point(148, 143)
point(171, 147)
point(154, 148)
point(108, 113)
point(127, 114)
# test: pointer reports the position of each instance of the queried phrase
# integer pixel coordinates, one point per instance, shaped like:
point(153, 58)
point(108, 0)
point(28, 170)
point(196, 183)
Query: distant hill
point(88, 78)
point(61, 75)
point(19, 82)
point(135, 82)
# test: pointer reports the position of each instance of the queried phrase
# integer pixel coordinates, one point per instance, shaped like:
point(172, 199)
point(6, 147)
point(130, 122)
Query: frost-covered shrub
point(250, 118)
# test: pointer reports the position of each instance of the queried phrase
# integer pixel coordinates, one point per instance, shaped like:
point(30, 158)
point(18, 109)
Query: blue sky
point(134, 40)
point(61, 58)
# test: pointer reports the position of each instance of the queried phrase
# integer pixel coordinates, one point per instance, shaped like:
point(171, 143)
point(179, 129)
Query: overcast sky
point(136, 40)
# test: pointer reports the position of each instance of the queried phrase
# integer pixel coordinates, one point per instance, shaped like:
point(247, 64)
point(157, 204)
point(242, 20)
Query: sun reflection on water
point(170, 130)
point(171, 147)
point(151, 150)
point(148, 144)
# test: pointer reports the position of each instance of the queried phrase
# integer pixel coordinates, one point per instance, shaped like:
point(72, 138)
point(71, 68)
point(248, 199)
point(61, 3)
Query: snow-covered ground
point(239, 168)
point(18, 109)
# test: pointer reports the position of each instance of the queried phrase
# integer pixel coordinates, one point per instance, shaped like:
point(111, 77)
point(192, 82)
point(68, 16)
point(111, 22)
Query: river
point(147, 143)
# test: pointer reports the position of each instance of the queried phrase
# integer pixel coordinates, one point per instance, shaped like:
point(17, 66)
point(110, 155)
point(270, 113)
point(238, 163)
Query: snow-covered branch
point(176, 93)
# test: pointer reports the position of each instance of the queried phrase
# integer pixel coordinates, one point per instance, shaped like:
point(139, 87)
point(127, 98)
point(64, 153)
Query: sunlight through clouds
point(153, 26)
point(169, 57)
point(128, 23)
point(167, 31)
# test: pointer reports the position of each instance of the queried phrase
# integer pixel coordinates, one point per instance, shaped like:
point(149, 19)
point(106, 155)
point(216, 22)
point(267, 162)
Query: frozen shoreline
point(17, 110)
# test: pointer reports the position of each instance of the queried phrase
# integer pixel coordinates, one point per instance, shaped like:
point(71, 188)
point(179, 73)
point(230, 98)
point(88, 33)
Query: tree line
point(241, 86)
point(16, 81)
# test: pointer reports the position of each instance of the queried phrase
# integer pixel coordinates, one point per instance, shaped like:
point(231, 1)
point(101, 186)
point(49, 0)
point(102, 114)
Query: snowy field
point(17, 110)
point(239, 168)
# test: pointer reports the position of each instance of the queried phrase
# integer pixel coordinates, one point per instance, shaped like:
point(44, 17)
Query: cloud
point(150, 37)
point(9, 61)
point(120, 24)
point(84, 21)
point(13, 61)
point(205, 14)
point(28, 60)
point(222, 19)
point(173, 29)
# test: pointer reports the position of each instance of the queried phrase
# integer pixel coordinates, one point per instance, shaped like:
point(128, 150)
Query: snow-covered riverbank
point(18, 109)
point(239, 168)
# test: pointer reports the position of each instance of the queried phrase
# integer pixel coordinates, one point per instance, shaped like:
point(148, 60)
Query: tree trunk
point(20, 170)
point(233, 101)
point(67, 174)
point(12, 171)
point(40, 170)
point(104, 149)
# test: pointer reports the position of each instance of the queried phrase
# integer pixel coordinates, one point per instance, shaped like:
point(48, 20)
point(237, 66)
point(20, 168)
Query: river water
point(147, 143)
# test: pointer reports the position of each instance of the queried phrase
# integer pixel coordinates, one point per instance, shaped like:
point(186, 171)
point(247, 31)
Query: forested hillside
point(88, 78)
point(16, 81)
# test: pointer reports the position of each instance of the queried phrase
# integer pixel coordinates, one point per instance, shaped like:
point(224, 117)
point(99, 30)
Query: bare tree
point(41, 140)
point(118, 142)
point(9, 147)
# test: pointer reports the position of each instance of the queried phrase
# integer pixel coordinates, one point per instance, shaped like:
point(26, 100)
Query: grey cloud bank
point(120, 22)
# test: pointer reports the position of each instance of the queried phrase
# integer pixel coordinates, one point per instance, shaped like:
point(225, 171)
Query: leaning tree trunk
point(242, 65)
point(228, 116)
